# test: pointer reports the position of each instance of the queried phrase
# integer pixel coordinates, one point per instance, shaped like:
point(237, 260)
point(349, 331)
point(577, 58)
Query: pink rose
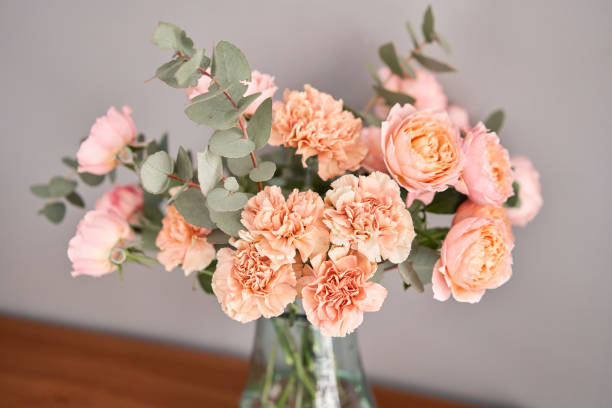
point(530, 193)
point(181, 243)
point(367, 214)
point(127, 201)
point(281, 226)
point(249, 285)
point(337, 293)
point(459, 116)
point(374, 161)
point(487, 174)
point(475, 256)
point(110, 134)
point(470, 209)
point(424, 196)
point(422, 149)
point(99, 238)
point(316, 124)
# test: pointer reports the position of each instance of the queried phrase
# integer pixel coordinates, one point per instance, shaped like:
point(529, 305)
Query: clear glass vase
point(293, 365)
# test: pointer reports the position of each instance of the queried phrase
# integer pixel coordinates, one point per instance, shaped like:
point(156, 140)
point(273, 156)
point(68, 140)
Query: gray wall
point(542, 340)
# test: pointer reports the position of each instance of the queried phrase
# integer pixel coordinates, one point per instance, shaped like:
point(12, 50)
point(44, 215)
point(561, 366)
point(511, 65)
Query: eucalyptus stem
point(269, 374)
point(287, 391)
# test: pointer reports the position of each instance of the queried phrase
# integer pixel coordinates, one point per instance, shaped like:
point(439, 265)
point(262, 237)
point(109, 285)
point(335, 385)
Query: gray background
point(542, 340)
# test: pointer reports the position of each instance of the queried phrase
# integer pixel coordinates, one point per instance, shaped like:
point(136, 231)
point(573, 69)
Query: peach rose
point(470, 209)
point(249, 285)
point(374, 161)
point(281, 226)
point(425, 89)
point(181, 243)
point(337, 293)
point(422, 149)
point(487, 174)
point(127, 201)
point(316, 124)
point(99, 238)
point(459, 116)
point(426, 197)
point(111, 133)
point(367, 214)
point(530, 193)
point(475, 256)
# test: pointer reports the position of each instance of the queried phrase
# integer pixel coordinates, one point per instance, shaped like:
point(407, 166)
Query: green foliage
point(168, 36)
point(389, 57)
point(70, 162)
point(428, 25)
point(446, 202)
point(218, 237)
point(260, 124)
point(514, 201)
point(221, 200)
point(213, 109)
point(54, 212)
point(40, 190)
point(495, 121)
point(230, 66)
point(166, 72)
point(191, 204)
point(188, 74)
point(148, 236)
point(240, 166)
point(75, 199)
point(431, 237)
point(154, 172)
point(230, 143)
point(391, 98)
point(91, 179)
point(432, 64)
point(183, 166)
point(413, 36)
point(228, 222)
point(210, 170)
point(264, 172)
point(417, 270)
point(61, 187)
point(205, 277)
point(231, 184)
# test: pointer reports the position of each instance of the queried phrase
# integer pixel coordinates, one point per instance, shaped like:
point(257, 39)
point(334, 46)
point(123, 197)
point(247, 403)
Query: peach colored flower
point(181, 243)
point(316, 124)
point(100, 236)
point(422, 149)
point(337, 293)
point(459, 116)
point(470, 209)
point(367, 214)
point(249, 285)
point(127, 201)
point(111, 133)
point(374, 160)
point(425, 89)
point(487, 174)
point(475, 256)
point(281, 226)
point(424, 196)
point(530, 193)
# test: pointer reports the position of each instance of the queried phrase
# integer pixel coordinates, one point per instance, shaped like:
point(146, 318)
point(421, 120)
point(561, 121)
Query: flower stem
point(269, 374)
point(288, 388)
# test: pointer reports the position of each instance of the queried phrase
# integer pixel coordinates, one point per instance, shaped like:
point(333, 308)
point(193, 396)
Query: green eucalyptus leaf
point(246, 101)
point(213, 109)
point(391, 98)
point(91, 179)
point(177, 192)
point(218, 237)
point(389, 57)
point(168, 36)
point(240, 166)
point(40, 190)
point(167, 72)
point(372, 119)
point(229, 65)
point(75, 199)
point(154, 172)
point(432, 64)
point(61, 187)
point(409, 71)
point(54, 212)
point(428, 25)
point(446, 202)
point(148, 236)
point(187, 74)
point(514, 201)
point(112, 175)
point(413, 37)
point(495, 121)
point(264, 171)
point(191, 204)
point(231, 184)
point(183, 167)
point(205, 277)
point(228, 222)
point(416, 271)
point(230, 143)
point(373, 72)
point(210, 170)
point(221, 200)
point(260, 124)
point(443, 43)
point(70, 162)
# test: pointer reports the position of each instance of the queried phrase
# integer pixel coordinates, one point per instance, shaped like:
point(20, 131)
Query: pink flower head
point(530, 193)
point(181, 243)
point(316, 124)
point(110, 134)
point(470, 209)
point(475, 256)
point(99, 237)
point(201, 88)
point(422, 149)
point(127, 201)
point(459, 116)
point(249, 285)
point(367, 214)
point(487, 174)
point(374, 161)
point(338, 292)
point(281, 226)
point(425, 89)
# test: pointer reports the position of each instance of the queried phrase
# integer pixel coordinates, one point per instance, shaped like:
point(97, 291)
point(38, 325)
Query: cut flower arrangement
point(296, 208)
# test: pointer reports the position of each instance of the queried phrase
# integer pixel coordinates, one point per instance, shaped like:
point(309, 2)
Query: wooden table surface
point(43, 365)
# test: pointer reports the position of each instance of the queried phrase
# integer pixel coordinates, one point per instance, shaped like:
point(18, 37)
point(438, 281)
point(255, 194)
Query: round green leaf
point(228, 222)
point(184, 169)
point(230, 143)
point(231, 184)
point(40, 190)
point(154, 172)
point(192, 206)
point(75, 199)
point(54, 212)
point(264, 172)
point(91, 179)
point(240, 166)
point(222, 200)
point(61, 187)
point(210, 170)
point(260, 124)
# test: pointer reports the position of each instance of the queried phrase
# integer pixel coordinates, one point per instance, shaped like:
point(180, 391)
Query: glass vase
point(293, 365)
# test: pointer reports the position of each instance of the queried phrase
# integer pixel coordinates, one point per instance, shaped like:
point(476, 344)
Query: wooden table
point(43, 365)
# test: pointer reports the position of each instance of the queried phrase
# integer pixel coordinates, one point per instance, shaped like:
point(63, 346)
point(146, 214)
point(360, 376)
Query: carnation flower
point(487, 174)
point(127, 201)
point(181, 243)
point(459, 116)
point(107, 137)
point(470, 209)
point(374, 160)
point(530, 193)
point(475, 256)
point(337, 293)
point(281, 226)
point(99, 238)
point(316, 124)
point(422, 149)
point(249, 285)
point(367, 214)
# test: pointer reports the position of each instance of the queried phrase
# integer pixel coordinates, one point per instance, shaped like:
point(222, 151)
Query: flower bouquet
point(296, 208)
